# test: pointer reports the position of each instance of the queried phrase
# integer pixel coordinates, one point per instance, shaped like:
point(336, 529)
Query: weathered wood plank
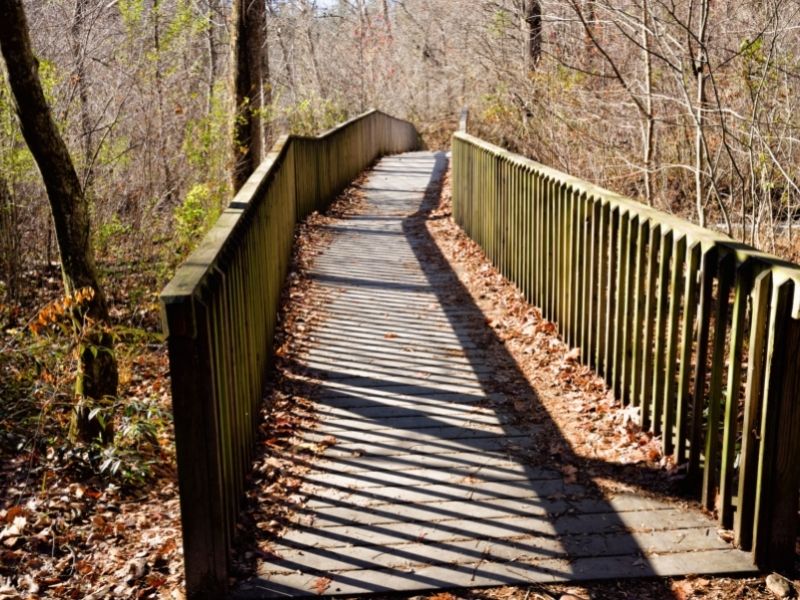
point(483, 573)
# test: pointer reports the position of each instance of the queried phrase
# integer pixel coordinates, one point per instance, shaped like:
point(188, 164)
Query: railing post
point(775, 528)
point(756, 356)
point(197, 447)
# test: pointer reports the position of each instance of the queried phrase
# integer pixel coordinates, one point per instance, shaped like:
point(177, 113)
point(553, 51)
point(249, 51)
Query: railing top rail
point(195, 270)
point(345, 124)
point(191, 276)
point(782, 270)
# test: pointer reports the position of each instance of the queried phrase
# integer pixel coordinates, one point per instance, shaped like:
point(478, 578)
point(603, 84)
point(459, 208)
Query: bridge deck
point(433, 481)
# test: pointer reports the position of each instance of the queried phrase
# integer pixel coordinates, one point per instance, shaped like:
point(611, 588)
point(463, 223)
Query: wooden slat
point(744, 284)
point(646, 400)
point(712, 441)
point(690, 303)
point(662, 305)
point(751, 424)
point(642, 245)
point(673, 335)
point(776, 520)
point(621, 290)
point(707, 273)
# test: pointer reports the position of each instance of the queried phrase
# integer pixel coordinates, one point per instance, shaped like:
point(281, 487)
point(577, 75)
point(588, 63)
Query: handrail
point(643, 293)
point(219, 312)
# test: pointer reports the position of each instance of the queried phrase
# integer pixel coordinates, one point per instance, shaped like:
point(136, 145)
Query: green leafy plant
point(195, 215)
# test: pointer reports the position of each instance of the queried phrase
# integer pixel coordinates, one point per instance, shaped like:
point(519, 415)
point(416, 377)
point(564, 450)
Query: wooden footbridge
point(433, 481)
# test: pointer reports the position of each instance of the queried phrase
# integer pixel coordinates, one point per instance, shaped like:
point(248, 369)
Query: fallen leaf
point(321, 584)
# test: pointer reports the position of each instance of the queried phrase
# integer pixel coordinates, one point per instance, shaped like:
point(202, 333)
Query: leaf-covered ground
point(77, 520)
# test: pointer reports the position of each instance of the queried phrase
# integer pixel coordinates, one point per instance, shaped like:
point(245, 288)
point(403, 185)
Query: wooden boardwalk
point(431, 483)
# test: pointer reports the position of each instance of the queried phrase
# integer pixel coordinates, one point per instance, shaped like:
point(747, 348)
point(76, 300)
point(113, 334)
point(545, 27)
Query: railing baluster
point(621, 250)
point(751, 423)
point(744, 283)
point(776, 520)
point(645, 400)
point(670, 388)
point(662, 305)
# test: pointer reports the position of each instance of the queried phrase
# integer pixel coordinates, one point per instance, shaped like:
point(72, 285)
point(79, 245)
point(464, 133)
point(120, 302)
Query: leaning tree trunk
point(248, 44)
point(97, 378)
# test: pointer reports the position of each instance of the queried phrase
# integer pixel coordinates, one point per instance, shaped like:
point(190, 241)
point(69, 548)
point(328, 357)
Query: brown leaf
point(321, 584)
point(443, 596)
point(570, 473)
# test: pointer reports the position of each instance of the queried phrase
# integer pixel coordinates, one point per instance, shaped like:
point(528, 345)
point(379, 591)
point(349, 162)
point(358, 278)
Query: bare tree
point(250, 86)
point(70, 211)
point(532, 19)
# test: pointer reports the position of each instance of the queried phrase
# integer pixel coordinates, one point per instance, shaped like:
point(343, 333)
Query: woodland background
point(685, 104)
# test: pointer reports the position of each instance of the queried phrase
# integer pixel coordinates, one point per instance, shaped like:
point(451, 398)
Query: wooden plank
point(602, 287)
point(423, 477)
point(627, 325)
point(446, 530)
point(725, 272)
point(648, 351)
point(322, 513)
point(642, 244)
point(756, 356)
point(513, 549)
point(671, 384)
point(744, 285)
point(351, 446)
point(609, 323)
point(662, 305)
point(586, 252)
point(776, 520)
point(485, 494)
point(622, 287)
point(690, 302)
point(484, 573)
point(707, 273)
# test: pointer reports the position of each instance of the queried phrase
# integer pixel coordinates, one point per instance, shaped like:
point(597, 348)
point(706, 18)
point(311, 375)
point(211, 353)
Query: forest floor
point(84, 521)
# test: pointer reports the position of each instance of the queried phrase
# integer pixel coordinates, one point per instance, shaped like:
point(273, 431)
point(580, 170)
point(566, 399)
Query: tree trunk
point(532, 29)
point(312, 49)
point(648, 141)
point(82, 83)
point(9, 239)
point(287, 59)
point(212, 55)
point(248, 43)
point(387, 18)
point(169, 186)
point(700, 69)
point(98, 378)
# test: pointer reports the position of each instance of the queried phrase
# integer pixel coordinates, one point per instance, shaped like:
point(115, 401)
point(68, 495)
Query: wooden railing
point(697, 331)
point(220, 315)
